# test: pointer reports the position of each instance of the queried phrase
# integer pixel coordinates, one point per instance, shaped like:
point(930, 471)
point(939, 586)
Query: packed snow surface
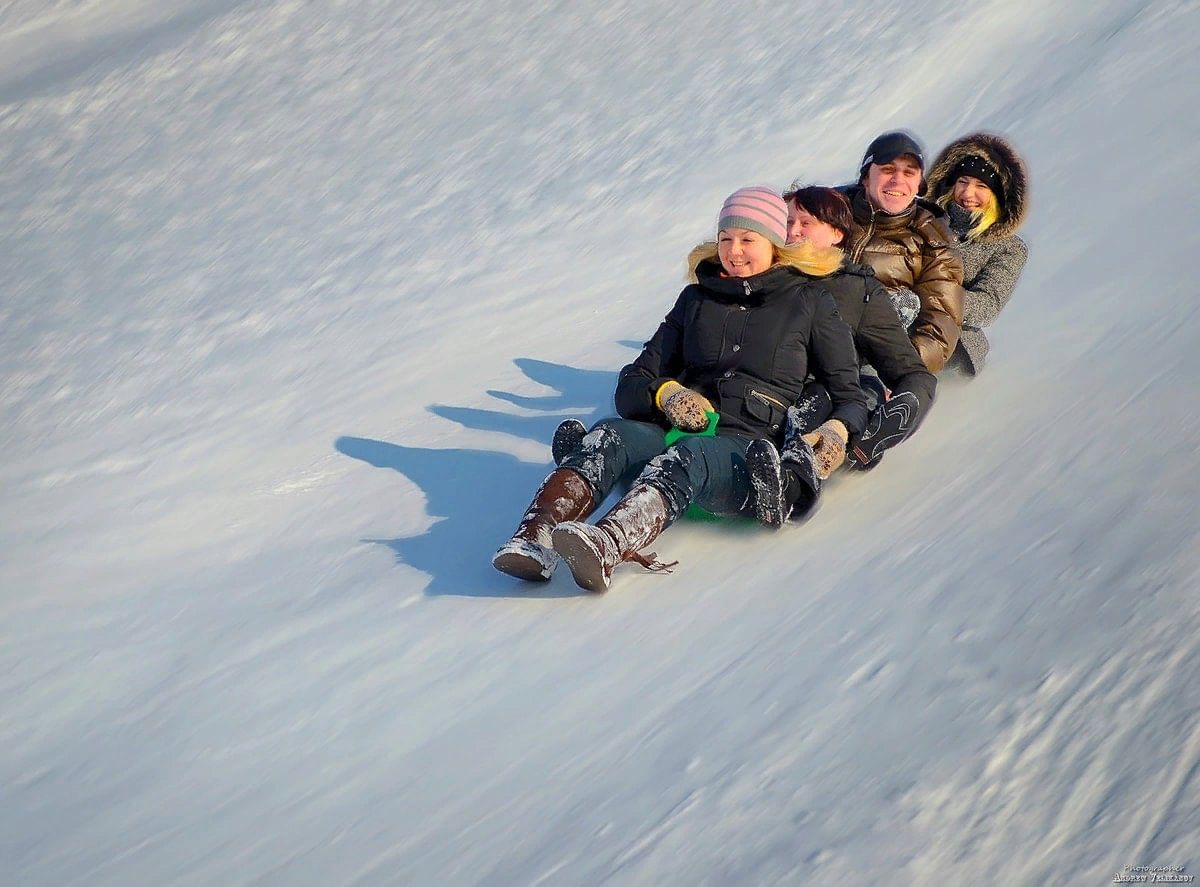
point(292, 296)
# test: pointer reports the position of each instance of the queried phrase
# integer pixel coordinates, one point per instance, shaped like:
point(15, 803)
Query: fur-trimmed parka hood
point(1000, 153)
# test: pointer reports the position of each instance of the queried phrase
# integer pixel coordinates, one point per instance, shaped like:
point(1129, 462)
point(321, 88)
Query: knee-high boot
point(529, 555)
point(592, 552)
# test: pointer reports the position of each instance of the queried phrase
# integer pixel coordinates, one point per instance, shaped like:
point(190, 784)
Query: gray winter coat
point(991, 268)
point(992, 263)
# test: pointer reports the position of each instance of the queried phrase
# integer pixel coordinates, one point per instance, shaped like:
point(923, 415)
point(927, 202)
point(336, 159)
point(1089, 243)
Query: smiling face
point(893, 186)
point(971, 193)
point(803, 225)
point(744, 253)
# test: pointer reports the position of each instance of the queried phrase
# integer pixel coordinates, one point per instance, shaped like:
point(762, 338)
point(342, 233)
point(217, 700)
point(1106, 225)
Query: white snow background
point(292, 296)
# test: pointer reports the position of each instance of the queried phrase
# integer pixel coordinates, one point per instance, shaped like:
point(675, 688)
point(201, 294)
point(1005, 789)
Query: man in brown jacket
point(906, 240)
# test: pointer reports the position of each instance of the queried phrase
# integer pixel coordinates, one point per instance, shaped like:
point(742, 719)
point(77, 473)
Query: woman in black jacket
point(738, 342)
point(822, 217)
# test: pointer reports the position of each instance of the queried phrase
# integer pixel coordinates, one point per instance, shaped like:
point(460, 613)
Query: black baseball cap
point(889, 146)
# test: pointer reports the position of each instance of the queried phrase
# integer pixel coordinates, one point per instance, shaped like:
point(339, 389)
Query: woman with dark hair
point(981, 182)
point(822, 217)
point(819, 215)
point(739, 342)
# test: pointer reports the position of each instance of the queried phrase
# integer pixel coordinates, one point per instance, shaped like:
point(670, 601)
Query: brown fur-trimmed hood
point(1000, 153)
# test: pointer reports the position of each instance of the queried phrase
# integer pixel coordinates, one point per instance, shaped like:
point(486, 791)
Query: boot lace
point(651, 562)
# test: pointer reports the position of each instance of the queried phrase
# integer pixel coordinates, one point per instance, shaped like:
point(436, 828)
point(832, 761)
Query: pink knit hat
point(758, 209)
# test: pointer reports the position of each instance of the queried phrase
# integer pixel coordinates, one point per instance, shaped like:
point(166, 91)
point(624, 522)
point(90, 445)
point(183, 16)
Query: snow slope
point(292, 296)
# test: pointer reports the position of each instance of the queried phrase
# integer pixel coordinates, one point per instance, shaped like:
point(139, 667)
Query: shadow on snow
point(479, 494)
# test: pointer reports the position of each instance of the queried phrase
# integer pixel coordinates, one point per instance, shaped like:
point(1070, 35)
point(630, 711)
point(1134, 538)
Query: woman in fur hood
point(982, 183)
point(738, 342)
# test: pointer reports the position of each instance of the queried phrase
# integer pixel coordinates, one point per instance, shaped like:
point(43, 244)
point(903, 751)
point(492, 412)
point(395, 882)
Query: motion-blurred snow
point(292, 296)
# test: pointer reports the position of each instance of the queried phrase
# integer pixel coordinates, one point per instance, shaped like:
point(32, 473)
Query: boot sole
point(582, 559)
point(567, 439)
point(521, 565)
point(767, 483)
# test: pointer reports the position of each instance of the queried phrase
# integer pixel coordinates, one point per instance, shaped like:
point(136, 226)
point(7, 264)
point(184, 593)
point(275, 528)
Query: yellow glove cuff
point(665, 390)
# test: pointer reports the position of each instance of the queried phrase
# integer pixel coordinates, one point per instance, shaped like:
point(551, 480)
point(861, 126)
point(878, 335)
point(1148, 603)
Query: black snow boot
point(801, 483)
point(766, 484)
point(890, 423)
point(568, 437)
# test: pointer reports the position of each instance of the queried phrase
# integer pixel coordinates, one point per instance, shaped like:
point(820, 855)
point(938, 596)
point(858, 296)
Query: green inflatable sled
point(695, 512)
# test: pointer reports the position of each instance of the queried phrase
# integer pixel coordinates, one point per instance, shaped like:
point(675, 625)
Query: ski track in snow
point(293, 298)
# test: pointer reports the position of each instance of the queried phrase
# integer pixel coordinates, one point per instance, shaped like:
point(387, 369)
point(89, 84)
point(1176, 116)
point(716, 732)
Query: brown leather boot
point(528, 555)
point(592, 552)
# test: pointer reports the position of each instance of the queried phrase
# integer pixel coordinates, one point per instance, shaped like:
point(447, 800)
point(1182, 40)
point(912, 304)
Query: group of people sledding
point(808, 339)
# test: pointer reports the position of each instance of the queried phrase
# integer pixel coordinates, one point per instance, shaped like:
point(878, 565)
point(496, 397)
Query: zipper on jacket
point(857, 252)
point(746, 284)
point(766, 398)
point(870, 233)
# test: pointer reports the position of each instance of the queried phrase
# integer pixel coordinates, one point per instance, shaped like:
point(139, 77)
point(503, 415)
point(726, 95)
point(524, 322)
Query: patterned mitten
point(829, 446)
point(684, 408)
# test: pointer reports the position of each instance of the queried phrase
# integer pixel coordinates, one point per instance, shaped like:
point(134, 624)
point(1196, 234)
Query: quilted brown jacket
point(915, 250)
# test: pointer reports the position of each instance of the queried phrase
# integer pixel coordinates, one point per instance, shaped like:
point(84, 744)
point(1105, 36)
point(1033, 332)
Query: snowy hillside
point(292, 296)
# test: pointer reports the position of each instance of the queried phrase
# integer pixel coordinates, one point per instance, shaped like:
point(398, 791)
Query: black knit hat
point(888, 147)
point(980, 168)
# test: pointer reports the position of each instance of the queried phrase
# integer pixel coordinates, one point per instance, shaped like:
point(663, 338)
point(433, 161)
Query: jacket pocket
point(765, 409)
point(769, 399)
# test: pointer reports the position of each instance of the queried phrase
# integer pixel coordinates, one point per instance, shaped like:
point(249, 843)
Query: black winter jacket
point(882, 341)
point(746, 344)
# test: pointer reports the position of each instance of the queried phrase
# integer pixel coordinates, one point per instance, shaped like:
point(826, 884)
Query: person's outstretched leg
point(592, 552)
point(710, 471)
point(528, 555)
point(573, 491)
